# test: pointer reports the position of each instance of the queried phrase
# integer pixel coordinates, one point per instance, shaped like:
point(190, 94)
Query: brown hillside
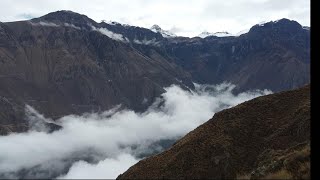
point(267, 137)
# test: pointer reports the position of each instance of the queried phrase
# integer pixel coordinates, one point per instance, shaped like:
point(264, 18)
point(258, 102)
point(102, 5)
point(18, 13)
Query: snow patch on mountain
point(245, 31)
point(205, 34)
point(114, 23)
point(166, 34)
point(222, 34)
point(306, 27)
point(262, 23)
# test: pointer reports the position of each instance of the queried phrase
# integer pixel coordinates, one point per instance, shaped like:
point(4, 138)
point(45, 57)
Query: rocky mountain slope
point(275, 55)
point(64, 63)
point(267, 137)
point(61, 68)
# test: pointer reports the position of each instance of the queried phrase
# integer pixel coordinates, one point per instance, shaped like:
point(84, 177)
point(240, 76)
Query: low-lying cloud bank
point(146, 42)
point(42, 23)
point(110, 34)
point(103, 145)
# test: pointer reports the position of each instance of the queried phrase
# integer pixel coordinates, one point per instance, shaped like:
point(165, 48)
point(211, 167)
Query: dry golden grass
point(245, 176)
point(282, 174)
point(304, 170)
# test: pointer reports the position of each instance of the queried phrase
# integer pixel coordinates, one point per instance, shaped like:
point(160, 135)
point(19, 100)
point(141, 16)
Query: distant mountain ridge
point(220, 34)
point(265, 57)
point(64, 63)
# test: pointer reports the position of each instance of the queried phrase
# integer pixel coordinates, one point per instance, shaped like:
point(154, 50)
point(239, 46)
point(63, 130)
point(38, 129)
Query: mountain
point(267, 137)
point(205, 34)
point(164, 33)
point(275, 56)
point(217, 34)
point(66, 63)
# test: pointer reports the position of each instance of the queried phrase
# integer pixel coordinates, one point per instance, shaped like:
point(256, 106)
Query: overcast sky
point(183, 17)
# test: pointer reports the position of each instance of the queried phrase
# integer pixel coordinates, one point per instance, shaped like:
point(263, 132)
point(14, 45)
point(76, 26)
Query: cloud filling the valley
point(105, 144)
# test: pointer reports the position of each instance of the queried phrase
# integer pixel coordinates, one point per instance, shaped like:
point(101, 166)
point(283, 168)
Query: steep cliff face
point(267, 137)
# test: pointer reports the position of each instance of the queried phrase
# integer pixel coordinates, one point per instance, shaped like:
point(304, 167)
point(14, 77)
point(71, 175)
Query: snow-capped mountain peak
point(205, 34)
point(217, 34)
point(115, 23)
point(222, 34)
point(157, 29)
point(262, 23)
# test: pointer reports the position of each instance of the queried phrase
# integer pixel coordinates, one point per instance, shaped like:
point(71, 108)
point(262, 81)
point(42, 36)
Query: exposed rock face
point(64, 63)
point(267, 137)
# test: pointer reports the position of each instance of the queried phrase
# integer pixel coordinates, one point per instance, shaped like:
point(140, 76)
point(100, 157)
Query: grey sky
point(183, 17)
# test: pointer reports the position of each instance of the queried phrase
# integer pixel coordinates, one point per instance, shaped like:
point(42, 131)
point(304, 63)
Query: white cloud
point(191, 17)
point(114, 138)
point(105, 169)
point(71, 25)
point(41, 23)
point(48, 24)
point(36, 120)
point(146, 42)
point(110, 34)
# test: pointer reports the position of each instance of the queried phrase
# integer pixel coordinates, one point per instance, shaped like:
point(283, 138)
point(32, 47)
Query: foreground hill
point(267, 137)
